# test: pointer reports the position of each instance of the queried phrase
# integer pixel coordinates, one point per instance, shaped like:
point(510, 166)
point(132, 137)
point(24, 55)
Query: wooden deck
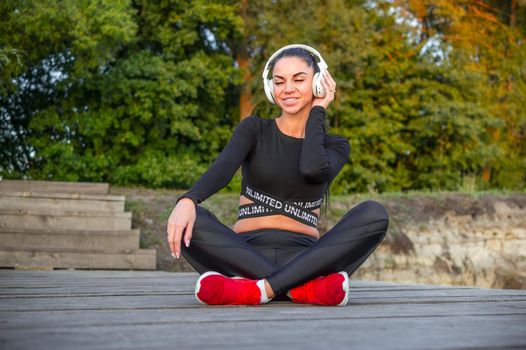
point(157, 310)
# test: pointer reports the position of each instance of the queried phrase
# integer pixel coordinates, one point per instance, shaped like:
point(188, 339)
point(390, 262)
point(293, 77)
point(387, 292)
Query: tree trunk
point(243, 60)
point(513, 13)
point(245, 97)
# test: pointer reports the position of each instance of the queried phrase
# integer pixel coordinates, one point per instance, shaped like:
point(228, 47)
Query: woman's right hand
point(181, 222)
point(329, 85)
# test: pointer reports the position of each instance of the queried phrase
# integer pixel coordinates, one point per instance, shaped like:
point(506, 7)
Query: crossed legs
point(216, 247)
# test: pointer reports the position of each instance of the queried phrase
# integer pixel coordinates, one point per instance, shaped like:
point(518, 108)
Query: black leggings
point(284, 258)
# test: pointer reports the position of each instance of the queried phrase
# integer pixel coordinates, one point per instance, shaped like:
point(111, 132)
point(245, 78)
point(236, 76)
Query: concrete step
point(54, 187)
point(26, 219)
point(69, 239)
point(61, 201)
point(140, 259)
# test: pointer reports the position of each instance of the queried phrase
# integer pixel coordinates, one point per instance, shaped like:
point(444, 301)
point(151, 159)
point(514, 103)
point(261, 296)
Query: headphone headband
point(321, 64)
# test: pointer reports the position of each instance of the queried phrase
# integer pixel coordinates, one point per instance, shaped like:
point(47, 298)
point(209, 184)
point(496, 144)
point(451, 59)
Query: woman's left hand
point(329, 85)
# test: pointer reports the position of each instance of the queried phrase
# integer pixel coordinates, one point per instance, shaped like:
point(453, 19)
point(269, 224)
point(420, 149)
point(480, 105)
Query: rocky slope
point(439, 238)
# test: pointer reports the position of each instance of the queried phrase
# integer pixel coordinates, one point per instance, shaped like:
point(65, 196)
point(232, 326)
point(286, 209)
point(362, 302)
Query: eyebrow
point(279, 76)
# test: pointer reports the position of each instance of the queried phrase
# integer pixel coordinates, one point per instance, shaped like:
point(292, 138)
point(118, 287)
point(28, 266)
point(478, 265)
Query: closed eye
point(296, 81)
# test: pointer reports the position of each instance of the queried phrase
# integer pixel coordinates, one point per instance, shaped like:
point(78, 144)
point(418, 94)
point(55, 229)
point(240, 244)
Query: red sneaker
point(212, 288)
point(328, 290)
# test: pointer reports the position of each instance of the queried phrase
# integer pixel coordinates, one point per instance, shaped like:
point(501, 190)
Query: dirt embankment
point(442, 238)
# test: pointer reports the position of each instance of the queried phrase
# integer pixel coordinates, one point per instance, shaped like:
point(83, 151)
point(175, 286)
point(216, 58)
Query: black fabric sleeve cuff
point(195, 200)
point(321, 108)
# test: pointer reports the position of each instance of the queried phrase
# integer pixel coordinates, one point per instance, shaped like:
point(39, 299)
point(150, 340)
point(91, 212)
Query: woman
point(288, 163)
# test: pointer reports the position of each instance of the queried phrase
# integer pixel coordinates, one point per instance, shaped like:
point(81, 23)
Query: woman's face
point(292, 78)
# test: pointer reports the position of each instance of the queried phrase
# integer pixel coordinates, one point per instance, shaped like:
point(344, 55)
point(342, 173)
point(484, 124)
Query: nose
point(289, 86)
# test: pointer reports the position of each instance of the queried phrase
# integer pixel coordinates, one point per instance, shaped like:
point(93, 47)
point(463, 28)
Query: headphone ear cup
point(317, 87)
point(315, 79)
point(271, 89)
point(268, 86)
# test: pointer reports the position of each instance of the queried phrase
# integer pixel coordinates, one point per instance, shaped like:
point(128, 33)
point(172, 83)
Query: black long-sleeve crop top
point(281, 174)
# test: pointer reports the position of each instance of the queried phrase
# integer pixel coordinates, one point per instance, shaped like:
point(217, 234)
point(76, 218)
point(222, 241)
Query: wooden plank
point(13, 219)
point(284, 333)
point(185, 299)
point(70, 196)
point(123, 287)
point(141, 259)
point(53, 186)
point(107, 275)
point(27, 319)
point(59, 212)
point(28, 279)
point(33, 239)
point(44, 295)
point(57, 205)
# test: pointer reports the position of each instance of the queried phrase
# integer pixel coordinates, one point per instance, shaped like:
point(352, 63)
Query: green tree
point(133, 93)
point(413, 122)
point(486, 38)
point(59, 44)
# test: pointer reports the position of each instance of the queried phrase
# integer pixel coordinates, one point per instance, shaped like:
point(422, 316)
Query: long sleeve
point(226, 164)
point(322, 156)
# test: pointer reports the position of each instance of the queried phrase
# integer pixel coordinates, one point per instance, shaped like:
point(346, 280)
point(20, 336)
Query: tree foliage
point(115, 91)
point(147, 93)
point(487, 38)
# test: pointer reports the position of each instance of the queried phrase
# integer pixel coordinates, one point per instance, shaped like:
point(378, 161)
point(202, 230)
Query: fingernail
point(187, 244)
point(177, 255)
point(173, 255)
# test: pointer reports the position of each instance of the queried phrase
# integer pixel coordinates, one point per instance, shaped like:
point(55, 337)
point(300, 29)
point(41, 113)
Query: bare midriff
point(277, 221)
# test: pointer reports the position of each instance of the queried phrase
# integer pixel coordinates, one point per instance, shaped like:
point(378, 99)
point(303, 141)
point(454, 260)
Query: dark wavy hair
point(298, 52)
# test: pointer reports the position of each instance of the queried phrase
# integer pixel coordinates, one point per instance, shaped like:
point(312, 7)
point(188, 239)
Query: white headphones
point(317, 87)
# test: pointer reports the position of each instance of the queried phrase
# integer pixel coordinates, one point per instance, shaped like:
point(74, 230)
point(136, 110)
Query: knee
point(375, 212)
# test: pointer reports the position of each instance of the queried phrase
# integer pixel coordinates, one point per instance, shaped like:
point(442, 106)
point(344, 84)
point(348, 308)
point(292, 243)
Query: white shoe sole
point(345, 287)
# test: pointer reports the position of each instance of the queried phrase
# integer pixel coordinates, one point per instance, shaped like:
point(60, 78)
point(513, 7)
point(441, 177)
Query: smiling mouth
point(290, 99)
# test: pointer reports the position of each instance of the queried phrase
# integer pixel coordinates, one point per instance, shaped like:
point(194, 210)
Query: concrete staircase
point(46, 225)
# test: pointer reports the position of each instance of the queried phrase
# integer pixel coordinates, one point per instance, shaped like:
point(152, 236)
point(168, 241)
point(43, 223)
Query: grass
point(165, 214)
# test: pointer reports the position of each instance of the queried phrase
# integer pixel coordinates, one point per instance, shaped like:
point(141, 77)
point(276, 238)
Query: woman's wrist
point(186, 199)
point(320, 103)
point(320, 107)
